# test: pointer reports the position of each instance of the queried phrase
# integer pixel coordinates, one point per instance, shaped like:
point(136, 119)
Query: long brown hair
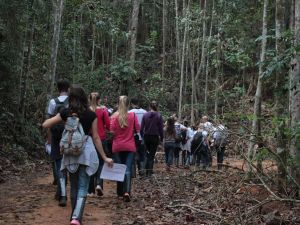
point(78, 102)
point(94, 99)
point(170, 127)
point(123, 110)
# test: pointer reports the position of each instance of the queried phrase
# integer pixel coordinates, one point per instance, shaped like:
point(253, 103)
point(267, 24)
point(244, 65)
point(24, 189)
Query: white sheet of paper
point(116, 173)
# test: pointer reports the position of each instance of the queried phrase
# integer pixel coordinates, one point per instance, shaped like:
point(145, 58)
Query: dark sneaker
point(126, 197)
point(75, 222)
point(99, 191)
point(62, 201)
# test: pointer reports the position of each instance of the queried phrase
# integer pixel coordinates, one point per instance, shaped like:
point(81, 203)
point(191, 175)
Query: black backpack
point(197, 142)
point(183, 136)
point(59, 128)
point(60, 105)
point(178, 136)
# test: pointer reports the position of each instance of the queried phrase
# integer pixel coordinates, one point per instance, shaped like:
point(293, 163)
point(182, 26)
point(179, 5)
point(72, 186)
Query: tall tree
point(279, 97)
point(256, 122)
point(164, 28)
point(133, 30)
point(183, 56)
point(295, 100)
point(207, 58)
point(57, 14)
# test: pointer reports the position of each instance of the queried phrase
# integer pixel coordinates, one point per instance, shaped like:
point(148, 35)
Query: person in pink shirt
point(123, 126)
point(103, 126)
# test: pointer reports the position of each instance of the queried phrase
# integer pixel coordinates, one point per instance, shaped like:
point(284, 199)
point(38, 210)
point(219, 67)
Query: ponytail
point(123, 110)
point(94, 97)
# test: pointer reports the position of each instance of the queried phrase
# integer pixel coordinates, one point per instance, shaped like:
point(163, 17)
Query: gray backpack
point(220, 136)
point(73, 138)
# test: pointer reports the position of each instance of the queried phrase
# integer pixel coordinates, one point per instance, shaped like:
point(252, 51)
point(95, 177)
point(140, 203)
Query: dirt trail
point(30, 200)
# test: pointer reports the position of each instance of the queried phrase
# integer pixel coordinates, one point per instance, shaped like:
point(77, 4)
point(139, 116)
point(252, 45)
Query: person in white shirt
point(209, 128)
point(140, 153)
point(186, 148)
point(54, 136)
point(220, 137)
point(178, 142)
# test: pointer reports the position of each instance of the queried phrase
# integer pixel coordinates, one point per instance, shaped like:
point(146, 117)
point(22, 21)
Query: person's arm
point(142, 126)
point(49, 136)
point(161, 128)
point(98, 143)
point(52, 121)
point(106, 119)
point(136, 124)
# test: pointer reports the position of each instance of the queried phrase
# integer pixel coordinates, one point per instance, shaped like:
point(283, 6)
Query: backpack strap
point(134, 123)
point(57, 101)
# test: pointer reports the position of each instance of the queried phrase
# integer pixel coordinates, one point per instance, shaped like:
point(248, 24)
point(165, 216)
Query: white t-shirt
point(52, 104)
point(208, 126)
point(139, 114)
point(189, 134)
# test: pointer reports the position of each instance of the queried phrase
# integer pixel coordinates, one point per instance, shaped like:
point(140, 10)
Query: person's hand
point(109, 161)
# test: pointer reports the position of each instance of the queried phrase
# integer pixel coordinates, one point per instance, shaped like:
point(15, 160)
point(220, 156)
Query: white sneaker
point(99, 190)
point(91, 195)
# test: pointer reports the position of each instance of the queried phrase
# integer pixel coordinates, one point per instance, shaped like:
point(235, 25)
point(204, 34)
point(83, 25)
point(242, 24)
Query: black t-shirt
point(86, 119)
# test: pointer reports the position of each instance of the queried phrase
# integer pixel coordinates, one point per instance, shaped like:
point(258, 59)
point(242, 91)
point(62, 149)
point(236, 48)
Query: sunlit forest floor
point(182, 196)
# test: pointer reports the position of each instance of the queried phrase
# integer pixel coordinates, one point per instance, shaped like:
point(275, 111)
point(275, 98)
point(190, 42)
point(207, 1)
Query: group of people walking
point(126, 136)
point(195, 143)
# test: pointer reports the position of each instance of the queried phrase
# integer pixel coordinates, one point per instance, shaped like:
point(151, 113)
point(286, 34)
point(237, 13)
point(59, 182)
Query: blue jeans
point(79, 185)
point(141, 158)
point(59, 174)
point(151, 143)
point(220, 155)
point(169, 152)
point(96, 176)
point(126, 158)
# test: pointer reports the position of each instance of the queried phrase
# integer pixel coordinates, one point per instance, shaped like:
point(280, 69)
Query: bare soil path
point(182, 196)
point(30, 200)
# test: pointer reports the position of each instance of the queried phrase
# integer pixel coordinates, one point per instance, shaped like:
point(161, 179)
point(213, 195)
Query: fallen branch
point(195, 209)
point(204, 170)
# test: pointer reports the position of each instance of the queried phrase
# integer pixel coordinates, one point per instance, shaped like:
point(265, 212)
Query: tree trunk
point(133, 30)
point(93, 48)
point(74, 51)
point(295, 103)
point(256, 123)
point(218, 71)
point(164, 39)
point(177, 34)
point(207, 60)
point(58, 10)
point(182, 61)
point(203, 51)
point(133, 37)
point(192, 66)
point(279, 99)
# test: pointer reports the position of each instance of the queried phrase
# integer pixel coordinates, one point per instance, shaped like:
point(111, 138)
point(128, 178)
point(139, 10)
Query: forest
point(236, 61)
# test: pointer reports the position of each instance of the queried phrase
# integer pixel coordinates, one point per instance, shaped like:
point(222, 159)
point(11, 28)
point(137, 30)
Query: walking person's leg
point(141, 159)
point(99, 181)
point(61, 186)
point(184, 156)
point(82, 189)
point(120, 191)
point(176, 155)
point(128, 159)
point(220, 157)
point(152, 148)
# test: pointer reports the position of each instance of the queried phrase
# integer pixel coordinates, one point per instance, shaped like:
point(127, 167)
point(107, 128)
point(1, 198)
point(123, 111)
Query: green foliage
point(122, 71)
point(16, 153)
point(262, 154)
